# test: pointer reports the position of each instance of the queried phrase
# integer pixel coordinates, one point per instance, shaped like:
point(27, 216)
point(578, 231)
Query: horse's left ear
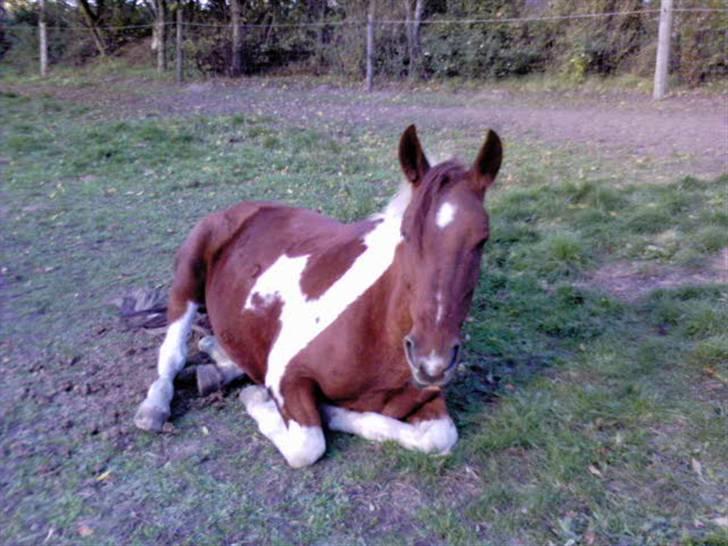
point(488, 162)
point(411, 156)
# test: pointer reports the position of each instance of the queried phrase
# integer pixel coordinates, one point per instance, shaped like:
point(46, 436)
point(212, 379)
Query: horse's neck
point(389, 304)
point(395, 313)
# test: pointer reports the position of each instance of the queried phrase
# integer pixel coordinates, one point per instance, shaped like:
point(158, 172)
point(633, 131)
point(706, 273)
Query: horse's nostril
point(455, 355)
point(409, 348)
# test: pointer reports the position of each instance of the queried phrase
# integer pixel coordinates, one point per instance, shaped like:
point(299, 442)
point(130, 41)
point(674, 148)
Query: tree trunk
point(408, 16)
point(419, 9)
point(413, 22)
point(370, 46)
point(320, 36)
point(236, 66)
point(161, 36)
point(178, 48)
point(93, 19)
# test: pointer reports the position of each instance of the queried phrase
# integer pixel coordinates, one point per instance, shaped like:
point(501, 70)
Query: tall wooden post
point(236, 66)
point(663, 50)
point(320, 36)
point(178, 49)
point(161, 36)
point(370, 46)
point(43, 39)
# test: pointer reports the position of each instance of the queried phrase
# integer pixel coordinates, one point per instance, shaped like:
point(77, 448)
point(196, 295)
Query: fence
point(353, 47)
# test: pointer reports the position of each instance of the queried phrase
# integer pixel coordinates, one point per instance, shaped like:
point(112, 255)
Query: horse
point(354, 327)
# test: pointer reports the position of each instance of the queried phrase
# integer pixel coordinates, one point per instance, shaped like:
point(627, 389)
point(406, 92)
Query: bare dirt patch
point(632, 280)
point(687, 133)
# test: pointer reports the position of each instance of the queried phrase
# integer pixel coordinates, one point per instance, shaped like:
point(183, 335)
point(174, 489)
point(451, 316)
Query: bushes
point(520, 37)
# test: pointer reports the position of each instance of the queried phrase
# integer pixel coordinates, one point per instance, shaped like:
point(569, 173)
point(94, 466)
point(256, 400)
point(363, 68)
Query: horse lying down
point(351, 326)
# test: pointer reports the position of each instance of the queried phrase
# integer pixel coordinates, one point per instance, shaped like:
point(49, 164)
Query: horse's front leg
point(430, 429)
point(300, 438)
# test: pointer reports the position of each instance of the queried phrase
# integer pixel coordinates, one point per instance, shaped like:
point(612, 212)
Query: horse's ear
point(488, 162)
point(411, 157)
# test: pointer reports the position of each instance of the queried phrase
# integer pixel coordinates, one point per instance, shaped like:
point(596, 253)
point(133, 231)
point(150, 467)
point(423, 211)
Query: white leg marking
point(445, 214)
point(229, 369)
point(440, 308)
point(302, 320)
point(300, 446)
point(154, 410)
point(437, 436)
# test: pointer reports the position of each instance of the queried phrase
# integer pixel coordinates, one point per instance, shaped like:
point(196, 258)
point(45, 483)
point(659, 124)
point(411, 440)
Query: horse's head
point(444, 228)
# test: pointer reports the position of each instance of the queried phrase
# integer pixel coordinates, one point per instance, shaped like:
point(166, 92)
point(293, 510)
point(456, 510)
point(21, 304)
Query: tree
point(413, 11)
point(93, 18)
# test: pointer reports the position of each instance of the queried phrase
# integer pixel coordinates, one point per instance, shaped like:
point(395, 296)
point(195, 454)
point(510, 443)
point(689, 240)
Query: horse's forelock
point(438, 179)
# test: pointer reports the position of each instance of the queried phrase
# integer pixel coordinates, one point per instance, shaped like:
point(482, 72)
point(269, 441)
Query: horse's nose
point(433, 367)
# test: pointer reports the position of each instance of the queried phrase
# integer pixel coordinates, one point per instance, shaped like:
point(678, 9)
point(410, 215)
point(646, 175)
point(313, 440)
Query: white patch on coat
point(445, 214)
point(440, 308)
point(300, 445)
point(433, 364)
point(172, 355)
point(436, 436)
point(303, 319)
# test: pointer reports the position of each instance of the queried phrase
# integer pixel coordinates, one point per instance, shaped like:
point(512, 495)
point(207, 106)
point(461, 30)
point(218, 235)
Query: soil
point(692, 129)
point(695, 127)
point(689, 132)
point(632, 280)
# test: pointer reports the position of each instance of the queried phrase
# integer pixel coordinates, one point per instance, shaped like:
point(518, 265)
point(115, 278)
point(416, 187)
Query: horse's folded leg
point(209, 379)
point(187, 377)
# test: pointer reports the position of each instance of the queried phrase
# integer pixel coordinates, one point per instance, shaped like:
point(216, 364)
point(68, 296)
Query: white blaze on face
point(303, 320)
point(433, 364)
point(440, 308)
point(445, 214)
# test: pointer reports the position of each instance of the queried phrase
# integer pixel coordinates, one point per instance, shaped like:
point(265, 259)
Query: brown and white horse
point(351, 326)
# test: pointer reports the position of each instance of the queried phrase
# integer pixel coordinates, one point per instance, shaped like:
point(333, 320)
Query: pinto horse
point(351, 326)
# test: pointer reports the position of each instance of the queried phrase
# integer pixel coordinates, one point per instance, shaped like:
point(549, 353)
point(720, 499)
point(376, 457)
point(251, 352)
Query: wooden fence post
point(370, 46)
point(663, 50)
point(43, 39)
point(161, 36)
point(236, 66)
point(178, 57)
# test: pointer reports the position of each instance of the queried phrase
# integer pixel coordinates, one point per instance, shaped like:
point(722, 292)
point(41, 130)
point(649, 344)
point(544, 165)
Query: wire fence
point(573, 44)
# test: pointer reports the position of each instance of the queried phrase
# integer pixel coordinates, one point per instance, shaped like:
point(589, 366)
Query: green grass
point(583, 419)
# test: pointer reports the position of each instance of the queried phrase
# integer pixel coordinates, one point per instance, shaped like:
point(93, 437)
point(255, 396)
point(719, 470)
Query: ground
point(593, 397)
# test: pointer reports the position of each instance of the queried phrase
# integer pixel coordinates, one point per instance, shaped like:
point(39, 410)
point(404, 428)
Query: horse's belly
point(246, 337)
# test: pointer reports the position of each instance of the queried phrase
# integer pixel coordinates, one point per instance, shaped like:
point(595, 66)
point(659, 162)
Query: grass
point(583, 419)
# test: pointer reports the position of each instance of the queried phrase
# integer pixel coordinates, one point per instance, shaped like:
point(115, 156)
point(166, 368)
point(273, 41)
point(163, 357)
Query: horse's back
point(226, 253)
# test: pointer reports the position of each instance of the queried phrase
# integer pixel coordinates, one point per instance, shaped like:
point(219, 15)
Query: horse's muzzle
point(434, 369)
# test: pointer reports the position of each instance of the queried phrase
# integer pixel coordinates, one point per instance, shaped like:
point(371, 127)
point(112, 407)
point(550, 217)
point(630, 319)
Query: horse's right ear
point(411, 157)
point(488, 162)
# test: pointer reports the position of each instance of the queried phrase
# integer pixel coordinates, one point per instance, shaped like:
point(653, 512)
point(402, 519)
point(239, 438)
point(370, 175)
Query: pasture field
point(592, 402)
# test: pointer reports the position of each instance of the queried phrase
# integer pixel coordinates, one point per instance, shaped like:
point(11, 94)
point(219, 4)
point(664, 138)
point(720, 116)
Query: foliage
point(288, 35)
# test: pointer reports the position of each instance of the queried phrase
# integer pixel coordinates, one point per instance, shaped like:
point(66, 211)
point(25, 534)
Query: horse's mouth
point(423, 381)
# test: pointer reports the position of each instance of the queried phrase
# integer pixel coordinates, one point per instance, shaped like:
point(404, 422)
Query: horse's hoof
point(254, 395)
point(150, 418)
point(209, 379)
